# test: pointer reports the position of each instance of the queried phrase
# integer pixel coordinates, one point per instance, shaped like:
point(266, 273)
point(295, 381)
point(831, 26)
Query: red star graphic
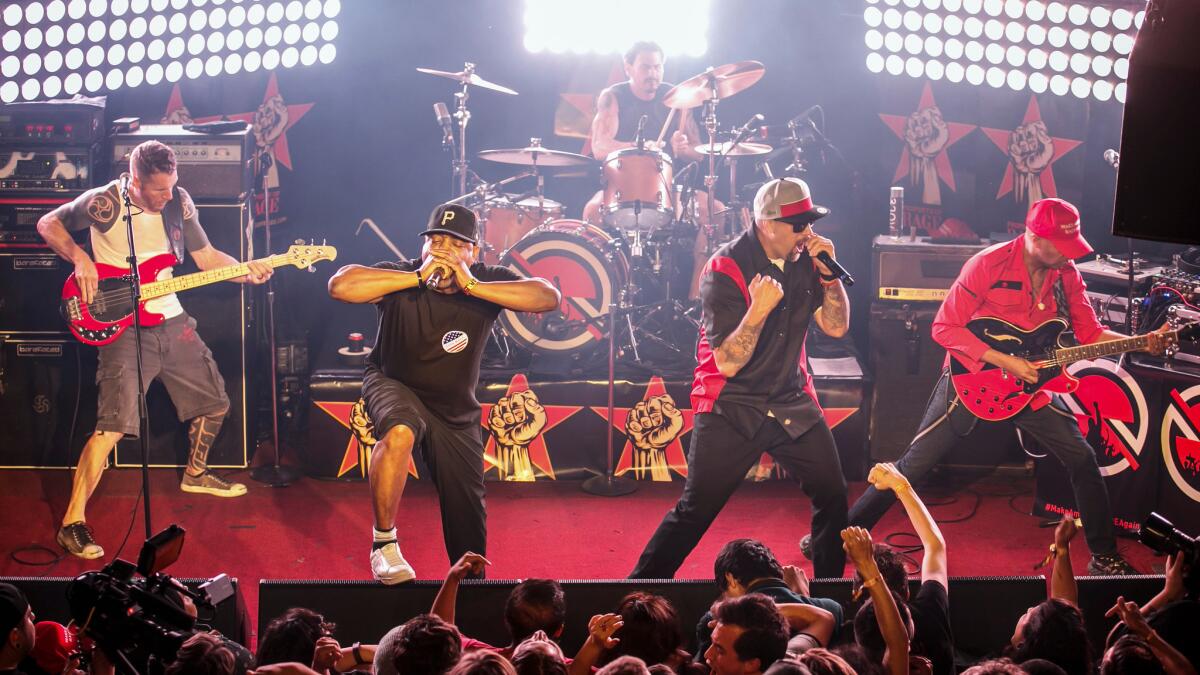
point(340, 411)
point(676, 459)
point(280, 147)
point(833, 417)
point(1000, 138)
point(942, 160)
point(539, 455)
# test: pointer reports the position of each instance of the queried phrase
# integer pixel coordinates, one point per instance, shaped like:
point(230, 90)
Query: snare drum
point(586, 266)
point(503, 222)
point(638, 195)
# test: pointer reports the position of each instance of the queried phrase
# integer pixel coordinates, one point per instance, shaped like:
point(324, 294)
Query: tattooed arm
point(833, 316)
point(736, 349)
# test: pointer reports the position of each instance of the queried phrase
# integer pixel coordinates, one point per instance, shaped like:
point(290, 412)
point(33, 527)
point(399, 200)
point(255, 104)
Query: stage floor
point(321, 530)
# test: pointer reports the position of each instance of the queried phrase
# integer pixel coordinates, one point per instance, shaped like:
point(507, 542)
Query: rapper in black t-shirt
point(419, 384)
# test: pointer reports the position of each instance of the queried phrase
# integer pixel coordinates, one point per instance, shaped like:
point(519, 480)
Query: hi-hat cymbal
point(536, 155)
point(464, 77)
point(740, 150)
point(717, 82)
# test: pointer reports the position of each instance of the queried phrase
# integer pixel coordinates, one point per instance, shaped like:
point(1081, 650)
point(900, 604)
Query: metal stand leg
point(608, 484)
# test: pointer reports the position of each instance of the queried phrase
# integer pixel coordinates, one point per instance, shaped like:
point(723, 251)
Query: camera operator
point(16, 625)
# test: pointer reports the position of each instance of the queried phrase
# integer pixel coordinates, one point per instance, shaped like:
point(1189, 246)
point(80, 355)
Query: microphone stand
point(274, 474)
point(135, 288)
point(608, 484)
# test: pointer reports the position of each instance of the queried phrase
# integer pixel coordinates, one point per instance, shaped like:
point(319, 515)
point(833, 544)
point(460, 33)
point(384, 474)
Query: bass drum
point(587, 266)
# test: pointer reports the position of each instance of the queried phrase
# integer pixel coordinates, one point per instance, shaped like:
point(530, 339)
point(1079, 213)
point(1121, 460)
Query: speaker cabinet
point(224, 319)
point(1160, 139)
point(47, 400)
point(906, 363)
point(31, 282)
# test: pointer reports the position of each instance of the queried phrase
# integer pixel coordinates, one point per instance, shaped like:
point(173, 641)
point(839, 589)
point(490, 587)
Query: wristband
point(470, 284)
point(828, 281)
point(358, 659)
point(420, 281)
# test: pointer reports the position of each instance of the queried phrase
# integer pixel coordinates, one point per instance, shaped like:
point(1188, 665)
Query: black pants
point(718, 460)
point(454, 456)
point(947, 423)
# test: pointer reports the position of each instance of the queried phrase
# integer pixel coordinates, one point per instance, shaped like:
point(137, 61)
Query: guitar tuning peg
point(311, 268)
point(299, 242)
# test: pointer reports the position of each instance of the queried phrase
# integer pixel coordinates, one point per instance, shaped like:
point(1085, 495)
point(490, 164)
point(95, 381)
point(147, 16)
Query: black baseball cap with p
point(454, 220)
point(13, 606)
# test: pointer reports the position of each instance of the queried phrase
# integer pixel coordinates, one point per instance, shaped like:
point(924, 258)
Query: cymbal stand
point(710, 179)
point(799, 164)
point(463, 116)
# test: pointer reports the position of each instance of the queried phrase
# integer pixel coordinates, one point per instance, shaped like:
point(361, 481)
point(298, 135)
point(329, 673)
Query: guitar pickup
point(73, 312)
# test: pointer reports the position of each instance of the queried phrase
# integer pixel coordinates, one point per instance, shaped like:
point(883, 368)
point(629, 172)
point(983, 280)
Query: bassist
point(1023, 282)
point(164, 221)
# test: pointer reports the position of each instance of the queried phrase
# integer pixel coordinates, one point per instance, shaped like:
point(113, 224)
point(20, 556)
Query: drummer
point(621, 106)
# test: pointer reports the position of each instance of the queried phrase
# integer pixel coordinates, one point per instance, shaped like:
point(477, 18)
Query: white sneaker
point(389, 566)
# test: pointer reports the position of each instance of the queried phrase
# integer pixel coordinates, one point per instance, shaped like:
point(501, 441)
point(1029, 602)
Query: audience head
point(1053, 630)
point(740, 562)
point(539, 655)
point(625, 665)
point(535, 604)
point(204, 654)
point(860, 661)
point(423, 644)
point(995, 667)
point(1130, 654)
point(866, 627)
point(651, 629)
point(787, 666)
point(891, 567)
point(483, 662)
point(16, 626)
point(821, 661)
point(1042, 667)
point(749, 634)
point(292, 636)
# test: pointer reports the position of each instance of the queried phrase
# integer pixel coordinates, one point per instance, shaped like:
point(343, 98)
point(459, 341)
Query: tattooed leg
point(201, 434)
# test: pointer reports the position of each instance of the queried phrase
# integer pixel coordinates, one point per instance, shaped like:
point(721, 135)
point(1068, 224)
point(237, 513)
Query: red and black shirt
point(776, 379)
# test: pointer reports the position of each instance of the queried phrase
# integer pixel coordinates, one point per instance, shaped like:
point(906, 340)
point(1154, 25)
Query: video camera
point(1161, 535)
point(135, 618)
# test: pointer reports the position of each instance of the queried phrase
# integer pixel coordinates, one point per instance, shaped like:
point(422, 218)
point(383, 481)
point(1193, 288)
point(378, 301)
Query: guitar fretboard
point(157, 289)
point(1100, 349)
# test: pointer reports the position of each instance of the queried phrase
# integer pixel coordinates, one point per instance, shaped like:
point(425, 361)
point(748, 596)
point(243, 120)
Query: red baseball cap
point(1058, 221)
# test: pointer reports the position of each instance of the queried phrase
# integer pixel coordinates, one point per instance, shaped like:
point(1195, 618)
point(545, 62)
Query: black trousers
point(718, 460)
point(947, 424)
point(454, 456)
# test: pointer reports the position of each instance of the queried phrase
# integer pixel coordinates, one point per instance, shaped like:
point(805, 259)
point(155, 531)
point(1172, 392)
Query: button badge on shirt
point(454, 341)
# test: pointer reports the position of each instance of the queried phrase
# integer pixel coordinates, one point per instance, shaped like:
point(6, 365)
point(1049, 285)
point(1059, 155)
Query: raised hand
point(469, 564)
point(856, 541)
point(326, 654)
point(1065, 532)
point(601, 628)
point(886, 476)
point(765, 294)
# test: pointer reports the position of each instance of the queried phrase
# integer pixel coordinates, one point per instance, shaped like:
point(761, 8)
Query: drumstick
point(666, 125)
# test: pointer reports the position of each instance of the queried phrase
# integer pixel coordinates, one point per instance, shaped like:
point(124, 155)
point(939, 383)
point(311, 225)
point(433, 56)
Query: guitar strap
point(172, 217)
point(1060, 306)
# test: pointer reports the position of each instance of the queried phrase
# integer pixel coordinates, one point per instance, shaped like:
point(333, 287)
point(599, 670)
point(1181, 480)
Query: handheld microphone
point(435, 278)
point(443, 118)
point(639, 138)
point(125, 184)
point(838, 271)
point(1113, 158)
point(750, 125)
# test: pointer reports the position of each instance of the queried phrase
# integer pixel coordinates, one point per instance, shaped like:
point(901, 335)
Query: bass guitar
point(994, 394)
point(111, 310)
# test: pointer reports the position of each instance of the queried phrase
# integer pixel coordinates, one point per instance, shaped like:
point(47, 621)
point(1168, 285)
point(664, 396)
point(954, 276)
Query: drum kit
point(636, 265)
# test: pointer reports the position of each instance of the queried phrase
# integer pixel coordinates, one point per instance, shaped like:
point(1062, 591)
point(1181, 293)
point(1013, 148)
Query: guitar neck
point(156, 289)
point(1097, 350)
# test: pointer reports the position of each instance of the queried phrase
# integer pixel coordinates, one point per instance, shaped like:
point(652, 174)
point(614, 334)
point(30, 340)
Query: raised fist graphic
point(1031, 147)
point(515, 421)
point(926, 133)
point(364, 432)
point(270, 120)
point(651, 426)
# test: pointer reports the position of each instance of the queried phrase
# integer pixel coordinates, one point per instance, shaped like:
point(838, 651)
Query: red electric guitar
point(111, 310)
point(993, 394)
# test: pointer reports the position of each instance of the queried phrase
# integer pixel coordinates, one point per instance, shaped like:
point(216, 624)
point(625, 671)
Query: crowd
point(764, 621)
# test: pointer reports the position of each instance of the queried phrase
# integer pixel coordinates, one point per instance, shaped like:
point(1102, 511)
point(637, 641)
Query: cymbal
point(728, 80)
point(536, 155)
point(463, 77)
point(741, 150)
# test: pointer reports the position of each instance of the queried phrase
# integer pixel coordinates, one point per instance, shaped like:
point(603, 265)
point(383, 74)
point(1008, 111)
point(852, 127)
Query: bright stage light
point(955, 72)
point(1080, 38)
point(1102, 66)
point(894, 64)
point(975, 74)
point(72, 84)
point(1037, 58)
point(52, 86)
point(952, 24)
point(1119, 92)
point(875, 62)
point(1081, 87)
point(680, 27)
point(1038, 83)
point(1060, 85)
point(914, 67)
point(913, 44)
point(1016, 80)
point(934, 70)
point(1122, 19)
point(1035, 11)
point(1121, 68)
point(1101, 41)
point(953, 49)
point(1078, 14)
point(1056, 12)
point(912, 21)
point(995, 77)
point(1102, 90)
point(1015, 56)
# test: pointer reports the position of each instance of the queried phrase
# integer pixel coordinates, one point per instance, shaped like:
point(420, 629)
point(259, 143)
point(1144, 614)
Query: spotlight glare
point(237, 16)
point(118, 29)
point(913, 44)
point(33, 38)
point(34, 12)
point(312, 31)
point(136, 52)
point(32, 64)
point(118, 7)
point(1101, 41)
point(10, 66)
point(329, 31)
point(972, 6)
point(308, 55)
point(255, 14)
point(1080, 39)
point(252, 62)
point(198, 20)
point(177, 23)
point(1038, 82)
point(1102, 66)
point(291, 34)
point(76, 9)
point(295, 10)
point(873, 39)
point(1102, 90)
point(1014, 31)
point(275, 12)
point(327, 53)
point(1060, 85)
point(893, 42)
point(290, 57)
point(176, 47)
point(1119, 92)
point(75, 33)
point(96, 31)
point(1015, 56)
point(954, 72)
point(995, 77)
point(11, 41)
point(1035, 11)
point(974, 51)
point(54, 35)
point(9, 91)
point(952, 24)
point(975, 74)
point(139, 6)
point(156, 50)
point(215, 42)
point(195, 44)
point(133, 76)
point(72, 83)
point(893, 18)
point(154, 74)
point(914, 67)
point(1037, 58)
point(213, 66)
point(993, 7)
point(994, 53)
point(1122, 43)
point(1100, 16)
point(137, 27)
point(932, 23)
point(96, 7)
point(273, 35)
point(993, 29)
point(233, 64)
point(52, 86)
point(1014, 8)
point(30, 89)
point(933, 46)
point(894, 65)
point(312, 9)
point(254, 38)
point(1016, 80)
point(1057, 36)
point(271, 59)
point(1081, 87)
point(1122, 19)
point(1056, 12)
point(1121, 68)
point(95, 55)
point(116, 54)
point(74, 58)
point(1081, 63)
point(873, 16)
point(158, 25)
point(874, 62)
point(235, 39)
point(954, 49)
point(114, 79)
point(1078, 14)
point(12, 15)
point(934, 70)
point(216, 18)
point(194, 68)
point(973, 27)
point(93, 81)
point(1035, 34)
point(332, 8)
point(1058, 61)
point(174, 71)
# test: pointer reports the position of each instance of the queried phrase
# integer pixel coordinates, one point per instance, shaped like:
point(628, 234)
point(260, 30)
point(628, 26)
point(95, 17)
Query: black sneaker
point(1110, 565)
point(76, 538)
point(806, 546)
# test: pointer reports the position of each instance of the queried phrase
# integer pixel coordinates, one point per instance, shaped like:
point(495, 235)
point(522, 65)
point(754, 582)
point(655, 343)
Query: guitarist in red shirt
point(164, 221)
point(1022, 282)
